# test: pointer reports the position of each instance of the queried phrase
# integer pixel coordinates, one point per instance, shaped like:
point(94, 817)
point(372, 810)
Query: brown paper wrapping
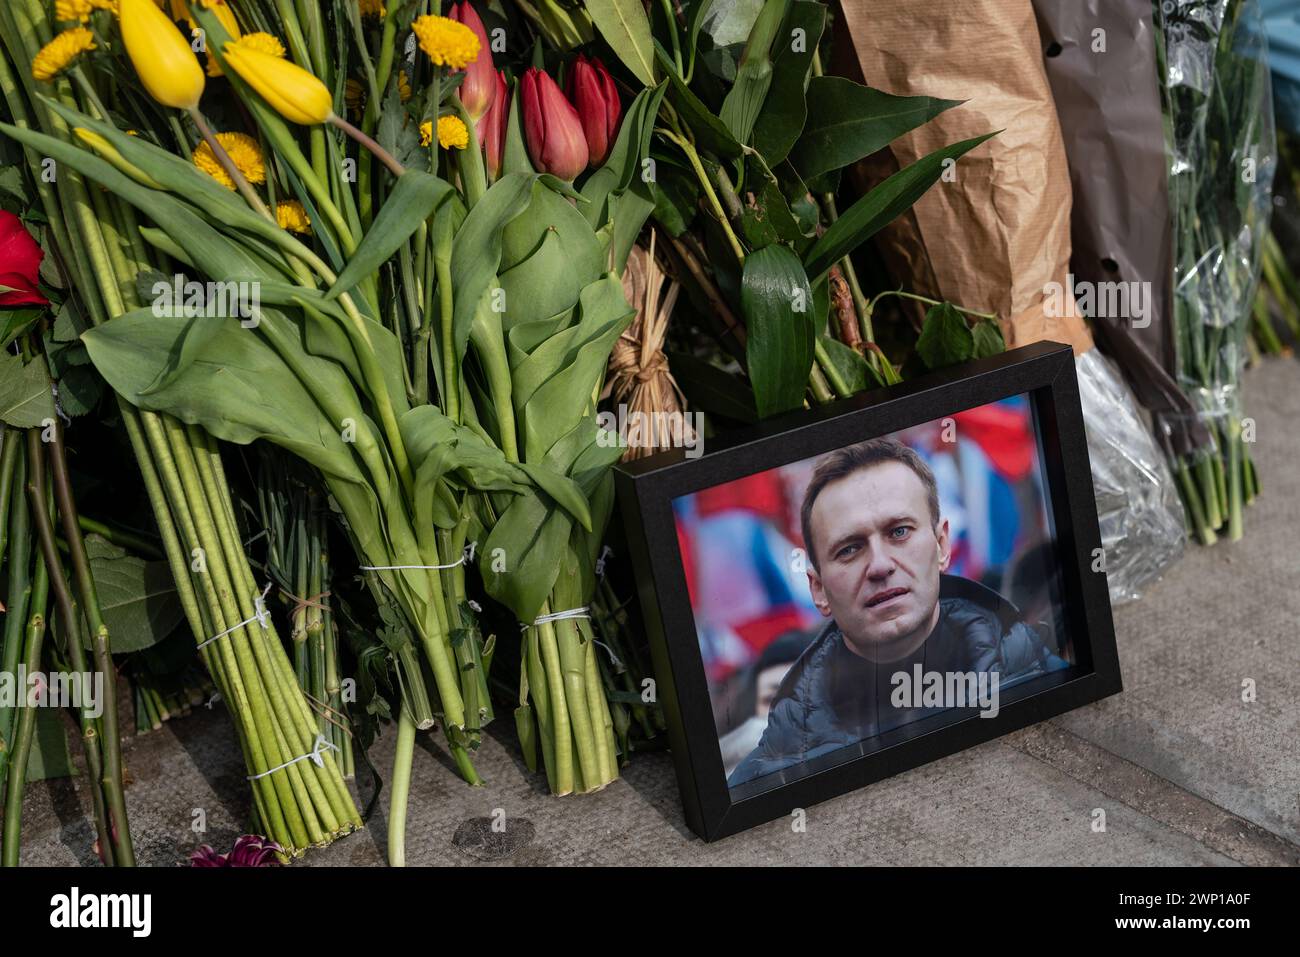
point(997, 232)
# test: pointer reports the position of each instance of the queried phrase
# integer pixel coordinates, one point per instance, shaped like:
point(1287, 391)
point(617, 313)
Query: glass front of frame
point(869, 595)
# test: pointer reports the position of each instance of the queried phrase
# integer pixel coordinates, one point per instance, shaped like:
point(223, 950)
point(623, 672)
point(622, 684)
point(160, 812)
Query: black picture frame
point(647, 487)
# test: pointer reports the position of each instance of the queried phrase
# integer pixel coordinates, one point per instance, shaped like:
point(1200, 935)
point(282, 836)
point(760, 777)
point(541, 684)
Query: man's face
point(879, 557)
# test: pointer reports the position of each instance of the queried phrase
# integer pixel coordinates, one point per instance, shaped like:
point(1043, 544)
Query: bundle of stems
point(98, 245)
point(161, 698)
point(1220, 145)
point(294, 515)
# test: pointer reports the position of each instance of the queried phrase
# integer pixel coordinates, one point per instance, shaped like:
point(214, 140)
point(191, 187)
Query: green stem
point(927, 301)
point(381, 154)
point(113, 793)
point(706, 183)
point(27, 714)
point(402, 762)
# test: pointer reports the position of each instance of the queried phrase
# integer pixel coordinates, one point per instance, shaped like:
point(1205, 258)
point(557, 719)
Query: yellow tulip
point(162, 57)
point(291, 91)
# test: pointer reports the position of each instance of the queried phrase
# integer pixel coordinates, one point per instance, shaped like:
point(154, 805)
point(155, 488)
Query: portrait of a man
point(877, 551)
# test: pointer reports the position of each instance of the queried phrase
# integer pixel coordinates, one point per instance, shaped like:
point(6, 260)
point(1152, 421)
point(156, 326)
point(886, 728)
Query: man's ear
point(945, 545)
point(818, 592)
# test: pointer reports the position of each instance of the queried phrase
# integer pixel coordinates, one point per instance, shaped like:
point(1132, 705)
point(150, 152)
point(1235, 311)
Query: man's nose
point(880, 565)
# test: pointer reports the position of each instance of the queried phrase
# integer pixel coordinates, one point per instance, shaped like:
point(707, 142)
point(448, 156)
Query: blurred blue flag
point(1282, 25)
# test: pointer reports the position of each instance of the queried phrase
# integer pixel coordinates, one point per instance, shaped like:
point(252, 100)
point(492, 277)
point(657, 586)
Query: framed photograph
point(837, 595)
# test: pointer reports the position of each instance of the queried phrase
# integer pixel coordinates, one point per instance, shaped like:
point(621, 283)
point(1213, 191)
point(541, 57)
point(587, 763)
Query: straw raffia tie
point(301, 603)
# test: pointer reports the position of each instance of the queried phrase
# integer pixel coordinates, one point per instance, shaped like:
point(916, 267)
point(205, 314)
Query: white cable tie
point(316, 756)
point(560, 616)
point(475, 607)
point(260, 616)
point(614, 659)
point(389, 568)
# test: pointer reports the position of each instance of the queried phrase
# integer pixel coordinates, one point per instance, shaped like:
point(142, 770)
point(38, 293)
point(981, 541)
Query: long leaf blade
point(778, 306)
point(882, 206)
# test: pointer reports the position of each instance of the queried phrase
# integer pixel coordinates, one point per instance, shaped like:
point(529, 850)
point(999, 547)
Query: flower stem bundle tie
point(259, 615)
point(559, 616)
point(301, 604)
point(316, 756)
point(388, 568)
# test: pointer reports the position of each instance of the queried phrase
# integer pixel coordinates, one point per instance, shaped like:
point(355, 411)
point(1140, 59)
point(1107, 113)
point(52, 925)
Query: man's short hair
point(854, 458)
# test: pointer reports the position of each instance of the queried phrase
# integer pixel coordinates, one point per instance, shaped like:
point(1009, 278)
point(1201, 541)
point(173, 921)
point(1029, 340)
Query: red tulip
point(492, 128)
point(593, 93)
point(476, 91)
point(552, 128)
point(20, 264)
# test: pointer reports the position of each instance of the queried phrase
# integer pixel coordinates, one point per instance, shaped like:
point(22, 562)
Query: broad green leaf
point(634, 208)
point(852, 367)
point(138, 598)
point(882, 206)
point(80, 388)
point(744, 100)
point(236, 387)
point(785, 111)
point(945, 338)
point(988, 339)
point(766, 217)
point(847, 121)
point(476, 255)
point(26, 399)
point(14, 322)
point(626, 28)
point(555, 385)
point(415, 197)
point(187, 348)
point(548, 254)
point(778, 306)
point(530, 537)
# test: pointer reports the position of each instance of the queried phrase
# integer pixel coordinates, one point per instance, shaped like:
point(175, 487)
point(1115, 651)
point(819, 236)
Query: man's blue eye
point(846, 551)
point(899, 531)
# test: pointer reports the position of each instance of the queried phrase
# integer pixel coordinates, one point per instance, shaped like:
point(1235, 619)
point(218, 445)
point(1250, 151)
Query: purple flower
point(251, 850)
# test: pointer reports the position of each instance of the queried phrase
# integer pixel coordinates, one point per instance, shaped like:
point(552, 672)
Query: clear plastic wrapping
point(1222, 155)
point(1141, 518)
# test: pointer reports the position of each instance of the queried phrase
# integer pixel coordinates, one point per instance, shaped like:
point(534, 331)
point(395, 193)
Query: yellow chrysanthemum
point(109, 5)
point(292, 216)
point(69, 11)
point(262, 42)
point(426, 132)
point(452, 133)
point(243, 152)
point(446, 42)
point(371, 8)
point(403, 86)
point(58, 54)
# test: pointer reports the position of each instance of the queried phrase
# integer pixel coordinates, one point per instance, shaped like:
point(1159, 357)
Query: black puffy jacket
point(826, 700)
